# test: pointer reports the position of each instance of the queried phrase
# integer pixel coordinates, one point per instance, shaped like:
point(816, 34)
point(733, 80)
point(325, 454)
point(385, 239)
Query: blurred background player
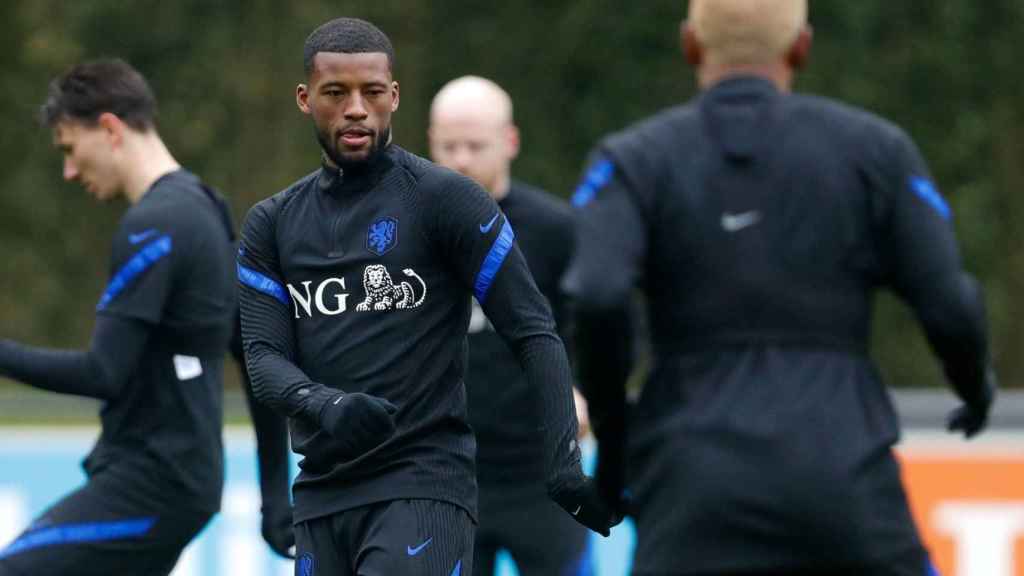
point(156, 356)
point(157, 350)
point(472, 132)
point(356, 284)
point(760, 224)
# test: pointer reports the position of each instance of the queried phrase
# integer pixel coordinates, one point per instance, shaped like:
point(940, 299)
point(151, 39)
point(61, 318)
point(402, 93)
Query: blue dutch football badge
point(304, 565)
point(382, 235)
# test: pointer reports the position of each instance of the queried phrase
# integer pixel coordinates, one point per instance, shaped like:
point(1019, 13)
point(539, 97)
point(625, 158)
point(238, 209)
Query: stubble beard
point(330, 149)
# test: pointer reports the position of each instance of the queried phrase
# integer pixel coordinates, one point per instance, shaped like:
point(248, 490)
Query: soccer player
point(157, 350)
point(355, 287)
point(472, 132)
point(760, 224)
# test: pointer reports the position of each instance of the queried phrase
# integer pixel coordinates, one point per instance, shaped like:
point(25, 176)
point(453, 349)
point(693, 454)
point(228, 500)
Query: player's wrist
point(318, 401)
point(565, 481)
point(988, 390)
point(980, 397)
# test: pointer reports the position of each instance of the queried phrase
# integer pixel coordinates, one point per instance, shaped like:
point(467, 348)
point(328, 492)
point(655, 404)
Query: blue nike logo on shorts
point(414, 551)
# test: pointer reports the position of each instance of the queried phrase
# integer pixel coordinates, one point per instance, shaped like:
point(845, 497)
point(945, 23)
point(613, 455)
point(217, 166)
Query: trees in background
point(225, 74)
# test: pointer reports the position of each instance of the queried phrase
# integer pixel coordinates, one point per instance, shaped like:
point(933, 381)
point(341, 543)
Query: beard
point(330, 147)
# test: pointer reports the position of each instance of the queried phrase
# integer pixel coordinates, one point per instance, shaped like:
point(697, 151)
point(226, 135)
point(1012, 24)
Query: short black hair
point(346, 36)
point(91, 88)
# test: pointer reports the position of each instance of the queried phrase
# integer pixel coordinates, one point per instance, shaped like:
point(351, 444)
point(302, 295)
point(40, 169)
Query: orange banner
point(968, 501)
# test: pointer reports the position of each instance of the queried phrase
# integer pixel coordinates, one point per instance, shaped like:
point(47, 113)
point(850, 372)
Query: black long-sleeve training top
point(157, 353)
point(760, 224)
point(360, 280)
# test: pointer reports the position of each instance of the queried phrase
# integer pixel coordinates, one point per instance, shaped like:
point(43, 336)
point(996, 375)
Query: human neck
point(501, 187)
point(148, 160)
point(778, 73)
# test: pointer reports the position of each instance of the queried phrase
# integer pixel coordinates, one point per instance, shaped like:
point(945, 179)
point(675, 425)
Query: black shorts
point(704, 507)
point(408, 537)
point(541, 538)
point(100, 529)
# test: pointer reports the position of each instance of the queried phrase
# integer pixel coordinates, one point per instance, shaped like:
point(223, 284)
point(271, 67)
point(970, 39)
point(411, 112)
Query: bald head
point(746, 32)
point(471, 131)
point(472, 97)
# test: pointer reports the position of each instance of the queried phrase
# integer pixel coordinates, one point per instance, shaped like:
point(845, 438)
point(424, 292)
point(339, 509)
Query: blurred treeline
point(225, 72)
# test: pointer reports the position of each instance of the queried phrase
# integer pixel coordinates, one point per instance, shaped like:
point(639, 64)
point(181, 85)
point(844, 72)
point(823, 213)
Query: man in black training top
point(760, 224)
point(157, 351)
point(356, 284)
point(471, 132)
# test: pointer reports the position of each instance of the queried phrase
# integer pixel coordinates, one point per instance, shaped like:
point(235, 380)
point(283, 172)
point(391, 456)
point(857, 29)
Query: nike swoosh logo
point(485, 228)
point(141, 236)
point(737, 222)
point(414, 551)
point(578, 508)
point(339, 399)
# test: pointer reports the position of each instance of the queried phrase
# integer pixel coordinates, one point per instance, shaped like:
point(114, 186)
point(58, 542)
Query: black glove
point(278, 531)
point(358, 422)
point(580, 497)
point(972, 417)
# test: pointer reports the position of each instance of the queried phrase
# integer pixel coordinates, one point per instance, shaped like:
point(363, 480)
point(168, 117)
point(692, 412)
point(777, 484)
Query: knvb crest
point(382, 235)
point(304, 565)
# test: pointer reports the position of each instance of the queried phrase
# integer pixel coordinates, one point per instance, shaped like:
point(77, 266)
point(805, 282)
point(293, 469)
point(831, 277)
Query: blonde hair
point(746, 32)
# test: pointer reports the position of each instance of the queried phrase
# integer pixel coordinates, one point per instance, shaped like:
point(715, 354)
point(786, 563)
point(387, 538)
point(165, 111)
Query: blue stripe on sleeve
point(599, 175)
point(925, 189)
point(262, 283)
point(73, 533)
point(492, 263)
point(142, 260)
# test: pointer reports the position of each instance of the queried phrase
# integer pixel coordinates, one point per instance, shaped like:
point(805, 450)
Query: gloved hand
point(580, 497)
point(972, 417)
point(278, 531)
point(358, 422)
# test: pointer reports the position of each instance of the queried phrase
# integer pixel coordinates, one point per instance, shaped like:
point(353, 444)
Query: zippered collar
point(333, 179)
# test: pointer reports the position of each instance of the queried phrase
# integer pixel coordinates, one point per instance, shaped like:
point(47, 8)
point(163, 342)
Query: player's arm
point(561, 238)
point(145, 251)
point(924, 267)
point(100, 372)
point(273, 460)
point(610, 247)
point(357, 421)
point(480, 243)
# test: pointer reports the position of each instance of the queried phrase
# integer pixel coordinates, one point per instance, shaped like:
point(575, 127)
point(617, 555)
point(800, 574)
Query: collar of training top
point(741, 84)
point(737, 112)
point(358, 176)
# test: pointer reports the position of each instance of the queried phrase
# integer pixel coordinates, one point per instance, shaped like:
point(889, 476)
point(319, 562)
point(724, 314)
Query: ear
point(512, 137)
point(302, 98)
point(693, 52)
point(800, 52)
point(394, 92)
point(113, 126)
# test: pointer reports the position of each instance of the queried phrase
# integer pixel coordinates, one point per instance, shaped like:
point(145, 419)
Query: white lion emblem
point(383, 294)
